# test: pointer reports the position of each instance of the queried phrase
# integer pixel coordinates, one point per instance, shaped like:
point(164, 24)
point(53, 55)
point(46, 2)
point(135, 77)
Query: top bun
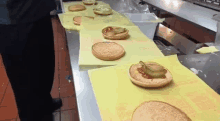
point(158, 111)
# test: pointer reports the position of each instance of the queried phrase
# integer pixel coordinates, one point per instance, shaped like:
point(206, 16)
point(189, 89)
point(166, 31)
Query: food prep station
point(205, 66)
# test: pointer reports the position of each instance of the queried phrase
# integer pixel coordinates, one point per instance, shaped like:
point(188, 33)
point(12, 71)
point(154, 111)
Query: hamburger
point(102, 9)
point(149, 74)
point(114, 33)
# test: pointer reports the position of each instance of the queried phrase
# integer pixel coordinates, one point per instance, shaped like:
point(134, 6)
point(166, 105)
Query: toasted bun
point(102, 13)
point(108, 51)
point(89, 2)
point(114, 37)
point(76, 8)
point(137, 78)
point(158, 111)
point(78, 19)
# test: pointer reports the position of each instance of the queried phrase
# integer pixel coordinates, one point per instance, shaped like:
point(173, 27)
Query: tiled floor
point(62, 88)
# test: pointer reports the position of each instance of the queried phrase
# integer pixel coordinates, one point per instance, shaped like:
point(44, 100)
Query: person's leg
point(31, 74)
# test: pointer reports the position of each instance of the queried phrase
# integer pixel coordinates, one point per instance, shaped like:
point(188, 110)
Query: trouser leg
point(31, 73)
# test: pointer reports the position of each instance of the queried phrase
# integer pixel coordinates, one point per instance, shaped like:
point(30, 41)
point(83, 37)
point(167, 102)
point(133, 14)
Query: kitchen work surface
point(117, 97)
point(67, 17)
point(89, 8)
point(136, 46)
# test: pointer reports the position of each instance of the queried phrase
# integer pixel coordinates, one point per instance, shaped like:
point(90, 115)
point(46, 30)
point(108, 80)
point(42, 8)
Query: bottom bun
point(103, 13)
point(139, 80)
point(158, 111)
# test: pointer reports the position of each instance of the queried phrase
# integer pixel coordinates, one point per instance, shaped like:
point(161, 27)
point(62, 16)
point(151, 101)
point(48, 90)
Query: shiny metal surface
point(178, 41)
point(207, 65)
point(86, 101)
point(198, 15)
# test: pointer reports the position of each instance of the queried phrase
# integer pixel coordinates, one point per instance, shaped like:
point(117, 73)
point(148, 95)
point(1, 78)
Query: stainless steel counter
point(86, 101)
point(208, 66)
point(196, 14)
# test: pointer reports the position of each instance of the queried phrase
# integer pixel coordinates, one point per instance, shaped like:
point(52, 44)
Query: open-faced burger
point(115, 33)
point(102, 9)
point(158, 111)
point(149, 74)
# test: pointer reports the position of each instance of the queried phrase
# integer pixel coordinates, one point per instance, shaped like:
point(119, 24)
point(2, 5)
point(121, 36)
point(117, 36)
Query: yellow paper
point(67, 21)
point(117, 97)
point(136, 46)
point(204, 50)
point(67, 18)
point(89, 8)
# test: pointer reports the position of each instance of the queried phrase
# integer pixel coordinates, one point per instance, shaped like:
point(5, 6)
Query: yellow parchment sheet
point(117, 97)
point(67, 17)
point(205, 50)
point(89, 8)
point(136, 46)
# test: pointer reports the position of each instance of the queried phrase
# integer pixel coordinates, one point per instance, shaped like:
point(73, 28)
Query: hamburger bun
point(156, 78)
point(73, 8)
point(78, 19)
point(102, 9)
point(108, 51)
point(89, 2)
point(114, 33)
point(158, 111)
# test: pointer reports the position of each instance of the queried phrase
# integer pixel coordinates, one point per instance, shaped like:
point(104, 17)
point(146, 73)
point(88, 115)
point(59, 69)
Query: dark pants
point(31, 72)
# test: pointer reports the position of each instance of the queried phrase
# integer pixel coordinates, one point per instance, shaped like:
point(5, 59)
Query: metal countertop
point(196, 14)
point(207, 64)
point(86, 102)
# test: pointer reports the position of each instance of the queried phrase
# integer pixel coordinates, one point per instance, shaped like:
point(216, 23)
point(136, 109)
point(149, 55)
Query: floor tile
point(69, 103)
point(7, 113)
point(67, 91)
point(69, 115)
point(18, 119)
point(56, 116)
point(55, 93)
point(10, 120)
point(9, 104)
point(3, 85)
point(9, 98)
point(63, 81)
point(56, 83)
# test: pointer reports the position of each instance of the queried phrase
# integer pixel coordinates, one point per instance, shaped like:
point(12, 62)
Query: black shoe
point(56, 104)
